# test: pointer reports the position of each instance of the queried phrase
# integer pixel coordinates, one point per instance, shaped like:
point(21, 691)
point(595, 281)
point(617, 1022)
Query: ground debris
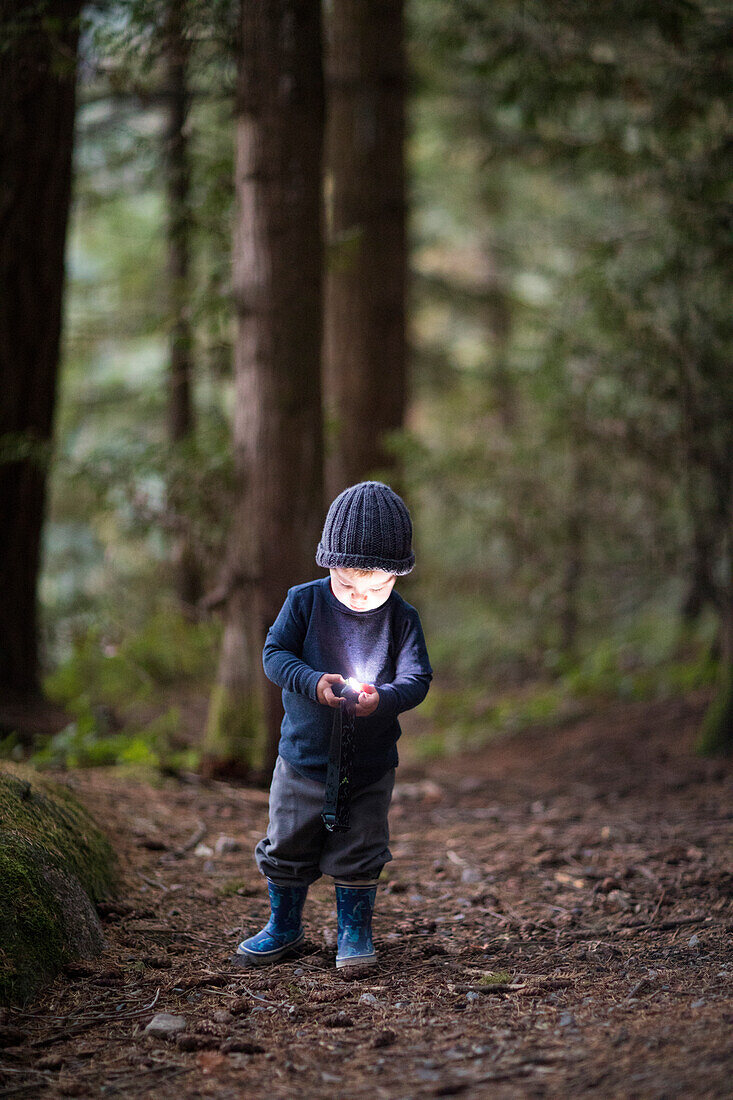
point(575, 883)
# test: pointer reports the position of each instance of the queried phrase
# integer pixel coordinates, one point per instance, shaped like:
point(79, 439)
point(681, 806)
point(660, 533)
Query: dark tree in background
point(364, 329)
point(37, 92)
point(277, 265)
point(181, 413)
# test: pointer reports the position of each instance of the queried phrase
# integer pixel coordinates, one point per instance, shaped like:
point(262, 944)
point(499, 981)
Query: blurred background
point(526, 331)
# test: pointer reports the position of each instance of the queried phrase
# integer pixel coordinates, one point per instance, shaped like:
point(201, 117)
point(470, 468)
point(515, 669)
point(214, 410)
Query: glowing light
point(355, 684)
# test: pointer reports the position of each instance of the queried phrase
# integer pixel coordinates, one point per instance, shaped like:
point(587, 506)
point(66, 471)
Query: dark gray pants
point(298, 848)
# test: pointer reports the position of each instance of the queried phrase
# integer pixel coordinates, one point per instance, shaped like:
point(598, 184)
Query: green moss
point(495, 977)
point(231, 888)
point(50, 851)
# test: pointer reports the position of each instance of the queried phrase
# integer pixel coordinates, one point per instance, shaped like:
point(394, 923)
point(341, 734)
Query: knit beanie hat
point(367, 527)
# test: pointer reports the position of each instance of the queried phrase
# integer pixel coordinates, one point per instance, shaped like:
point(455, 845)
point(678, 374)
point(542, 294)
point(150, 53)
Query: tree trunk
point(716, 735)
point(364, 332)
point(574, 550)
point(178, 184)
point(277, 269)
point(37, 91)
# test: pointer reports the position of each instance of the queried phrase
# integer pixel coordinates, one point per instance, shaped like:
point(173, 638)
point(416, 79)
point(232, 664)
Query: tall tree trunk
point(364, 332)
point(716, 735)
point(178, 183)
point(278, 255)
point(574, 549)
point(37, 92)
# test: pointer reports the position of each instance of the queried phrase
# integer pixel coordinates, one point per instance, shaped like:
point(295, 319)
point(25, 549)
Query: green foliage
point(169, 648)
point(570, 447)
point(83, 743)
point(45, 830)
point(716, 735)
point(114, 691)
point(466, 718)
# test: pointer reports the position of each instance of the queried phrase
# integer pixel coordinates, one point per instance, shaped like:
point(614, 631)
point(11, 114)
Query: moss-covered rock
point(54, 864)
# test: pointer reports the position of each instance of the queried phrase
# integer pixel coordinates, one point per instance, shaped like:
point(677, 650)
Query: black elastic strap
point(335, 815)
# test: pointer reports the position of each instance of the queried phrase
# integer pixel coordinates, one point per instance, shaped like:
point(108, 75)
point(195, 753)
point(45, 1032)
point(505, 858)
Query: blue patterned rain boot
point(283, 930)
point(355, 905)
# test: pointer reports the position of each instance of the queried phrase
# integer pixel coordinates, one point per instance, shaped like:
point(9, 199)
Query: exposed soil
point(557, 922)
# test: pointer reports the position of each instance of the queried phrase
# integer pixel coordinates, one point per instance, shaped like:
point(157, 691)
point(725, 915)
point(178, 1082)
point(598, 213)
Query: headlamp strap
point(337, 798)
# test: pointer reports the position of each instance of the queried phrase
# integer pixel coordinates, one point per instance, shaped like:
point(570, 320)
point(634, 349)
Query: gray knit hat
point(367, 527)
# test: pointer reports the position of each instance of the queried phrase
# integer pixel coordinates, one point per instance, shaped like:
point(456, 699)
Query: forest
point(252, 253)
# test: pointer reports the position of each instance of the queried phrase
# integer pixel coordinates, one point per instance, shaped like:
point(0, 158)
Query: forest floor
point(557, 922)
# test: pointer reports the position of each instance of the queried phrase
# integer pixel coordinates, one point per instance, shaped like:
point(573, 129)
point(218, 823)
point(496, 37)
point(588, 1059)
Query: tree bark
point(277, 270)
point(37, 91)
point(364, 331)
point(178, 186)
point(716, 735)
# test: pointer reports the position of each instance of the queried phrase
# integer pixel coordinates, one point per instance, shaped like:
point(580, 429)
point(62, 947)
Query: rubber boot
point(355, 905)
point(283, 930)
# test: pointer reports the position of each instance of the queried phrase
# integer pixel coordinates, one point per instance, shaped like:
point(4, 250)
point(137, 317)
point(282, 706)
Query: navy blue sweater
point(315, 633)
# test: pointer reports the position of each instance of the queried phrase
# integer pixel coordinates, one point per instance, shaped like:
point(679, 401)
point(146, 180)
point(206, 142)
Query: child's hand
point(368, 701)
point(323, 689)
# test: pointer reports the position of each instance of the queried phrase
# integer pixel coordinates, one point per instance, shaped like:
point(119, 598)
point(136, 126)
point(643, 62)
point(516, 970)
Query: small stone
point(203, 851)
point(472, 996)
point(567, 1019)
point(368, 999)
point(693, 940)
point(226, 844)
point(222, 1016)
point(164, 1024)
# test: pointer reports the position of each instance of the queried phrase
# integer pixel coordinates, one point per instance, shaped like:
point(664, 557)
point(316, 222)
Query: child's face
point(361, 591)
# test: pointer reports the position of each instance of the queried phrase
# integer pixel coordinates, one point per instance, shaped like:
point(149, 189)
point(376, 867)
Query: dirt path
point(557, 922)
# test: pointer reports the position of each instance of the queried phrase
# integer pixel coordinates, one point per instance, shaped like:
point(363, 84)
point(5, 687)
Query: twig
point(641, 984)
point(192, 841)
point(15, 1090)
point(495, 987)
point(87, 1025)
point(663, 926)
point(659, 903)
point(153, 882)
point(273, 1004)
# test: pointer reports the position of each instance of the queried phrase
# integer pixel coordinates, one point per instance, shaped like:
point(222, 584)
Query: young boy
point(350, 624)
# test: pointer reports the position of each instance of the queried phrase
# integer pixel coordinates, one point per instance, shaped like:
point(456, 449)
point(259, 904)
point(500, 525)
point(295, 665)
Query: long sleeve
point(413, 672)
point(281, 654)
